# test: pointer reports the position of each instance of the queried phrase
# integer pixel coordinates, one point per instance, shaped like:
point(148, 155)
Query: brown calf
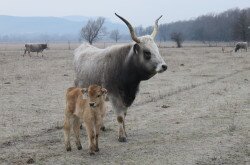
point(87, 105)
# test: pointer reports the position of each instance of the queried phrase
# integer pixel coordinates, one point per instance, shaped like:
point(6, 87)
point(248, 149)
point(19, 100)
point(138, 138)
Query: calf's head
point(96, 95)
point(145, 51)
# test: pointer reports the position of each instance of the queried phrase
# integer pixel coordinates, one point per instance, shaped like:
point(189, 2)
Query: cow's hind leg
point(42, 53)
point(102, 120)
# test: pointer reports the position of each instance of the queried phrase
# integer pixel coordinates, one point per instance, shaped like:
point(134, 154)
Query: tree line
point(231, 25)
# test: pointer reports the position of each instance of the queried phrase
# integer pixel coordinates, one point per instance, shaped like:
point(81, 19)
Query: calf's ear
point(84, 90)
point(85, 93)
point(104, 91)
point(136, 48)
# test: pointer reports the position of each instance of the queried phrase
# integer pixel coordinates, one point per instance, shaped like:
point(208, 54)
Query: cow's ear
point(136, 48)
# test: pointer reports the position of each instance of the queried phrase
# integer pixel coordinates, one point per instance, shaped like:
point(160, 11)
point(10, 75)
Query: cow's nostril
point(91, 104)
point(164, 67)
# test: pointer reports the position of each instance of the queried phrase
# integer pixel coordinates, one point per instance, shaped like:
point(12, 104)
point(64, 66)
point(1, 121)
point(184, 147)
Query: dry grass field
point(197, 112)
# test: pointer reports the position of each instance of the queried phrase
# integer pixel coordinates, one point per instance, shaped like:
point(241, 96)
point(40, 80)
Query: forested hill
point(231, 25)
point(18, 29)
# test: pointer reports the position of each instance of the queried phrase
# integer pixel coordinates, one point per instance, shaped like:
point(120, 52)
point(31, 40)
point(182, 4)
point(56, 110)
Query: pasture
point(197, 112)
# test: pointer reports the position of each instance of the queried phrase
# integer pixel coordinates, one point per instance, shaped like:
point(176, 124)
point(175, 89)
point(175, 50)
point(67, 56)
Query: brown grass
point(206, 120)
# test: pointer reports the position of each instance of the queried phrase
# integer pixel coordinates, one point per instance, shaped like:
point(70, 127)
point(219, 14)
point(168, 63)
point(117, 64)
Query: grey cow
point(35, 48)
point(120, 69)
point(241, 45)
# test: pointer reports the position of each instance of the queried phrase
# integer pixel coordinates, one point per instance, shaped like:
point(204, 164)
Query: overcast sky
point(138, 12)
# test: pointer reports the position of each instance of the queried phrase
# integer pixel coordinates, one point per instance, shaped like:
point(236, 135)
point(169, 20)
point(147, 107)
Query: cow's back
point(35, 48)
point(87, 52)
point(89, 65)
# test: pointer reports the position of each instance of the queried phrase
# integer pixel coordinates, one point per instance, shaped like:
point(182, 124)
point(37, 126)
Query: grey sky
point(139, 12)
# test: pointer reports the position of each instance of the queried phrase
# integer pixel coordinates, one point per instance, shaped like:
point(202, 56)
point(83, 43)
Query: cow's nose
point(91, 104)
point(164, 67)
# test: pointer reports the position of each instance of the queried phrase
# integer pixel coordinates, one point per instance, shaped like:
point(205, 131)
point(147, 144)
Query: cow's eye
point(147, 54)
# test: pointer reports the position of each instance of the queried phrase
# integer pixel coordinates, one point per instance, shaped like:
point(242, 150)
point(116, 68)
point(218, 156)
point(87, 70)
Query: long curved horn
point(155, 28)
point(131, 29)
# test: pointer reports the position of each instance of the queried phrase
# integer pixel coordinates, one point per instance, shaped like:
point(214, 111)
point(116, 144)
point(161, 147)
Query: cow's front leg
point(120, 111)
point(24, 53)
point(121, 131)
point(102, 119)
point(125, 113)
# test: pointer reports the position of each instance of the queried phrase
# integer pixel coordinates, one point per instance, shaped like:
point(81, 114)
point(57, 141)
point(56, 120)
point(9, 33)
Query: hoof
point(103, 128)
point(122, 139)
point(97, 150)
point(91, 153)
point(79, 147)
point(68, 149)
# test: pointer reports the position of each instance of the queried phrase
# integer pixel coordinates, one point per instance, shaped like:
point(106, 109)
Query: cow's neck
point(131, 77)
point(125, 74)
point(128, 89)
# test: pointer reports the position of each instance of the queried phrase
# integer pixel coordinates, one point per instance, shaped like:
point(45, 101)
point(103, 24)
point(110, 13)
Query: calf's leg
point(76, 128)
point(91, 137)
point(66, 128)
point(98, 125)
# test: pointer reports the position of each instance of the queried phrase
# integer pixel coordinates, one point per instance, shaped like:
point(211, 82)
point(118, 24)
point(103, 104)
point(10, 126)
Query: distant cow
point(241, 45)
point(35, 48)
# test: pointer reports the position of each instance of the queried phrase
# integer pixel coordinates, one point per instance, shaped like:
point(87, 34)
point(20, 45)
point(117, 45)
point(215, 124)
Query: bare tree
point(93, 30)
point(178, 38)
point(115, 35)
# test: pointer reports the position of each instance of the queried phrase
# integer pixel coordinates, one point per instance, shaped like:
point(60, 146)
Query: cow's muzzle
point(161, 68)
